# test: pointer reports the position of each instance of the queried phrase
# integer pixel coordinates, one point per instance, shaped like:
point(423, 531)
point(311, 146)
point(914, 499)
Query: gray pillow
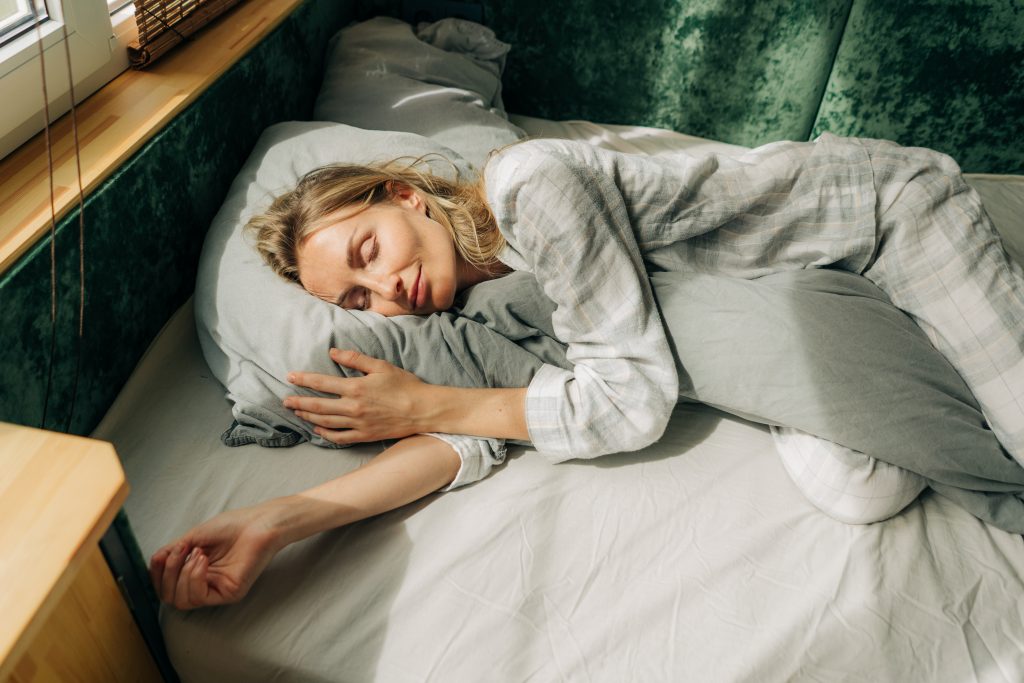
point(442, 81)
point(254, 327)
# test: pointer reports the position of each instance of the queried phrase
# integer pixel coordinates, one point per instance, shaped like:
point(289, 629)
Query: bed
point(694, 559)
point(640, 566)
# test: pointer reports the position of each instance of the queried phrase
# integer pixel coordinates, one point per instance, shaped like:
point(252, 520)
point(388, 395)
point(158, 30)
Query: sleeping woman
point(590, 225)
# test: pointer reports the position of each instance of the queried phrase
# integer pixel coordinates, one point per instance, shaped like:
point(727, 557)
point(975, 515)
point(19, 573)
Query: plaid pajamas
point(590, 223)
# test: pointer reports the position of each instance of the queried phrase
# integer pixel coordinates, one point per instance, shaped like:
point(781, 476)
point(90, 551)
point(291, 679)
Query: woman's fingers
point(344, 437)
point(191, 590)
point(182, 598)
point(326, 421)
point(198, 591)
point(322, 406)
point(172, 570)
point(328, 384)
point(332, 384)
point(359, 361)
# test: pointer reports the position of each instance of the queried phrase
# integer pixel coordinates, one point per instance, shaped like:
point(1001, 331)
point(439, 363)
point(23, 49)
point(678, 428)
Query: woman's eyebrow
point(348, 250)
point(350, 260)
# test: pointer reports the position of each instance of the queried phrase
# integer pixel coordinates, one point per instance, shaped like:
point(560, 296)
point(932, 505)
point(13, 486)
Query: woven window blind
point(165, 23)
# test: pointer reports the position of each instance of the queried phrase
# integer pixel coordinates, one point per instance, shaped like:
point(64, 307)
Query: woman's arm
point(218, 561)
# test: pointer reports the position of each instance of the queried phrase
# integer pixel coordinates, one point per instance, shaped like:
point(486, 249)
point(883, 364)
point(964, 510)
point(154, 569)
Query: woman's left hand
point(383, 404)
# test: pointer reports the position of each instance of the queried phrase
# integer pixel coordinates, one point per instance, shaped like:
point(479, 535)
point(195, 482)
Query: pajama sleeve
point(566, 221)
point(476, 456)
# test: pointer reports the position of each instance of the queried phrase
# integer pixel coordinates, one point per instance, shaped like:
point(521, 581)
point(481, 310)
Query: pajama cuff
point(545, 398)
point(476, 455)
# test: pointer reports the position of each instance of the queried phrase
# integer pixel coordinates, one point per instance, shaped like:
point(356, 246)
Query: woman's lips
point(417, 288)
point(421, 289)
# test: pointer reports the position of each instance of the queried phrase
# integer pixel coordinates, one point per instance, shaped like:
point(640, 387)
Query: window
point(96, 41)
point(18, 16)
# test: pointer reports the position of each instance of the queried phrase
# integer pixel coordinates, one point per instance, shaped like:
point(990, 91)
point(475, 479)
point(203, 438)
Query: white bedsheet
point(695, 559)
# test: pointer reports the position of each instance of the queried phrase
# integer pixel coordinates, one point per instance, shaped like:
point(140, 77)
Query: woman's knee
point(845, 484)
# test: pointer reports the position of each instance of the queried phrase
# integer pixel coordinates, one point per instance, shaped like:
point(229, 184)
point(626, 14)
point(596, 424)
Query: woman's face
point(390, 258)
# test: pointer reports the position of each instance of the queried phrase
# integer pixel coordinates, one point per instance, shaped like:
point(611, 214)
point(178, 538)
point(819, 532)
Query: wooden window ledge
point(117, 120)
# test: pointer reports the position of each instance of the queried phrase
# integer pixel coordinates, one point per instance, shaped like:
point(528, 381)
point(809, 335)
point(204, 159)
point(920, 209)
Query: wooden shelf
point(117, 120)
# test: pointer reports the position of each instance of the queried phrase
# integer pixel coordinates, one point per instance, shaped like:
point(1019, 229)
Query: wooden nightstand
point(62, 617)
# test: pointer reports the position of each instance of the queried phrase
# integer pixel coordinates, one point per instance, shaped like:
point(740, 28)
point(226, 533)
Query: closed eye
point(357, 298)
point(364, 299)
point(369, 250)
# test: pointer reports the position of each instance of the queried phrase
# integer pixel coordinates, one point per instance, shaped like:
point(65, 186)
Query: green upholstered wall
point(144, 229)
point(945, 75)
point(745, 72)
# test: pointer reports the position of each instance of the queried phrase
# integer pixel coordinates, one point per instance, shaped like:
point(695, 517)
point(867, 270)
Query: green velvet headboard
point(945, 75)
point(941, 74)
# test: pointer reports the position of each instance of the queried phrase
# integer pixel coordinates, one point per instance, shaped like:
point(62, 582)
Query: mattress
point(694, 559)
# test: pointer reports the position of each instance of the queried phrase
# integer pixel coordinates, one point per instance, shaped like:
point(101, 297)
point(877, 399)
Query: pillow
point(254, 327)
point(443, 82)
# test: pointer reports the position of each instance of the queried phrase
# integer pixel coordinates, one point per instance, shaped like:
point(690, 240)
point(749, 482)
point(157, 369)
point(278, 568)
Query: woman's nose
point(389, 287)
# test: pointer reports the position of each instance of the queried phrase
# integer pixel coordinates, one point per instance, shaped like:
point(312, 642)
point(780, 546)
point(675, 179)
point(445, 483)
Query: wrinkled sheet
point(695, 559)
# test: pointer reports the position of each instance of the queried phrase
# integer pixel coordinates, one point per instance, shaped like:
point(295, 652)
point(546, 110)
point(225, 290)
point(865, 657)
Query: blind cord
point(53, 217)
point(81, 232)
point(53, 224)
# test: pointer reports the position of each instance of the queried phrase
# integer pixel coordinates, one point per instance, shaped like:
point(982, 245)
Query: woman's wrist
point(494, 413)
point(433, 412)
point(288, 519)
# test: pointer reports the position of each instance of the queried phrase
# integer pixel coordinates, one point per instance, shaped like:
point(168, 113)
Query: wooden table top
point(58, 495)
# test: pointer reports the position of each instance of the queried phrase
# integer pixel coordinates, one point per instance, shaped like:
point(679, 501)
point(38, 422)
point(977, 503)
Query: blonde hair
point(460, 206)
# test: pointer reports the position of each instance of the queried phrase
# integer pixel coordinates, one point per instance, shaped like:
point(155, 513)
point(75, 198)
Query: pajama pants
point(939, 258)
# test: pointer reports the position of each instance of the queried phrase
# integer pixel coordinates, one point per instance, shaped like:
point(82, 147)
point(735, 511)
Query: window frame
point(98, 43)
point(23, 20)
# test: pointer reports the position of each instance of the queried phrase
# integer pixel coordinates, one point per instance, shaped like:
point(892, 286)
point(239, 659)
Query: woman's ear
point(406, 196)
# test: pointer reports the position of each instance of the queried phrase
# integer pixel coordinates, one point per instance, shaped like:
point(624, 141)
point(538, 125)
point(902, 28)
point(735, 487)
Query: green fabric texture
point(940, 74)
point(144, 229)
point(740, 72)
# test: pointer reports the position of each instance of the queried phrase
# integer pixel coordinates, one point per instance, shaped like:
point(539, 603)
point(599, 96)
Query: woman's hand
point(386, 403)
point(218, 561)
